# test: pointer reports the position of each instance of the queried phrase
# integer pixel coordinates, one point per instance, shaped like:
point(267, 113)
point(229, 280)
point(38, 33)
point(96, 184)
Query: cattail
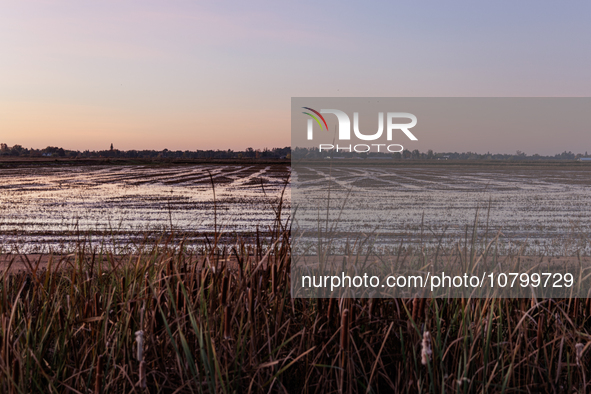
point(143, 375)
point(345, 330)
point(99, 375)
point(179, 304)
point(273, 279)
point(426, 351)
point(61, 318)
point(97, 305)
point(330, 309)
point(415, 308)
point(146, 285)
point(422, 307)
point(87, 308)
point(579, 347)
point(250, 305)
point(225, 285)
point(227, 321)
point(540, 331)
point(139, 338)
point(352, 310)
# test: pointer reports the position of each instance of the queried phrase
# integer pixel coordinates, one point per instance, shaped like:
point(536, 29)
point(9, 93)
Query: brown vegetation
point(168, 323)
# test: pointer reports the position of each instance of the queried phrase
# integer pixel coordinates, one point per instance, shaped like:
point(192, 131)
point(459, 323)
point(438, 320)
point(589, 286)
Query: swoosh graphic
point(315, 118)
point(317, 113)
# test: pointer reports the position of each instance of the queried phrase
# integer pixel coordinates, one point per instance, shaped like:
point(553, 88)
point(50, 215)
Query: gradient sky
point(218, 75)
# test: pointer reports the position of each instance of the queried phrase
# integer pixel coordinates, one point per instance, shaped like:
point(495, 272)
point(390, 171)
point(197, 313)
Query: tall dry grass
point(161, 320)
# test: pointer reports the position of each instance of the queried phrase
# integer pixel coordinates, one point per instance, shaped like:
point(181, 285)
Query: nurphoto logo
point(344, 129)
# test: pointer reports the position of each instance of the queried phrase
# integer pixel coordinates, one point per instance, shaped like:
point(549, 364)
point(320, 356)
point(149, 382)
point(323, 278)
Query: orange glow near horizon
point(80, 127)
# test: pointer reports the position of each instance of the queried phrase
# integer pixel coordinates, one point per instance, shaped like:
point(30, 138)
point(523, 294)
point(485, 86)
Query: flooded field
point(546, 207)
point(51, 208)
point(43, 208)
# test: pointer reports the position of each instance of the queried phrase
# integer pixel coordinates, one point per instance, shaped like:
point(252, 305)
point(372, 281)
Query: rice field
point(45, 209)
point(546, 207)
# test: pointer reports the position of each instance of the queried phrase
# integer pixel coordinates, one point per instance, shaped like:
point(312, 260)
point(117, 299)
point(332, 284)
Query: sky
point(187, 75)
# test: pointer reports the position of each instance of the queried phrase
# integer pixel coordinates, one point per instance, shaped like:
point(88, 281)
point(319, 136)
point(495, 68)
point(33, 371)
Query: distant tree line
point(313, 153)
point(52, 151)
point(275, 153)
